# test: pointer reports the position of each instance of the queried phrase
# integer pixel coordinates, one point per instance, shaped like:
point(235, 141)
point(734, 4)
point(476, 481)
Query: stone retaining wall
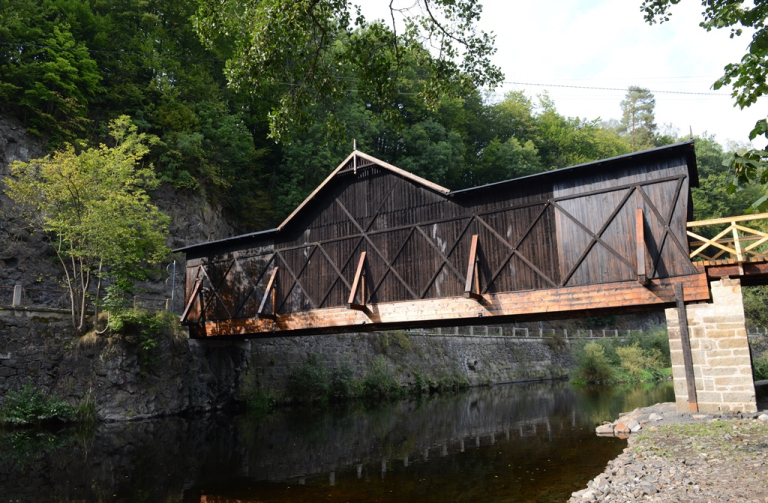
point(481, 359)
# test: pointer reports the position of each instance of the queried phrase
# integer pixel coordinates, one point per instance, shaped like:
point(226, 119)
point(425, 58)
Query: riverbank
point(687, 457)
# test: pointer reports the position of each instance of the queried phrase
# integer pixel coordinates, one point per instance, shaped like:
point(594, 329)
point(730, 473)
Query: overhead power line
point(610, 88)
point(181, 58)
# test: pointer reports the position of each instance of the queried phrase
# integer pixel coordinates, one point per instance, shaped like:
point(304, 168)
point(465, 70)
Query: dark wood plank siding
point(544, 232)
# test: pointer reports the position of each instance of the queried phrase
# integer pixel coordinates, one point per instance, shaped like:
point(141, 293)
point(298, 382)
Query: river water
point(510, 443)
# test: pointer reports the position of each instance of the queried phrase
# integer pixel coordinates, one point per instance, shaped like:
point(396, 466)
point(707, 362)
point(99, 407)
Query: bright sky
point(607, 44)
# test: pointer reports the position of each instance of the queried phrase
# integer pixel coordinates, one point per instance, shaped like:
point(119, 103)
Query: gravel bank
point(687, 457)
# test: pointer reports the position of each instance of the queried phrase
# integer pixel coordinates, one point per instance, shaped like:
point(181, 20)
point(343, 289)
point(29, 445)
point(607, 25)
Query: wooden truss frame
point(644, 269)
point(741, 248)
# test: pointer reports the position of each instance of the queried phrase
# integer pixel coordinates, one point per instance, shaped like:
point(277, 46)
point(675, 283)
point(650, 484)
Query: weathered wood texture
point(569, 233)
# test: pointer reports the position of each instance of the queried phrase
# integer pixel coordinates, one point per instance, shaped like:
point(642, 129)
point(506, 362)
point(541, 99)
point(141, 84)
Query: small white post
point(16, 295)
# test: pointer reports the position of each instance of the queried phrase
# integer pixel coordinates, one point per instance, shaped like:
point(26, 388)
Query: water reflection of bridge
point(162, 460)
point(409, 433)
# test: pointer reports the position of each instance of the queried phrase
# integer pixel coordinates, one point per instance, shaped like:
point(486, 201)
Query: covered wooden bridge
point(375, 247)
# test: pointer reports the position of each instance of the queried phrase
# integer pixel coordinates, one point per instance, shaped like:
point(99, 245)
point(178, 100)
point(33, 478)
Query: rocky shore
point(684, 457)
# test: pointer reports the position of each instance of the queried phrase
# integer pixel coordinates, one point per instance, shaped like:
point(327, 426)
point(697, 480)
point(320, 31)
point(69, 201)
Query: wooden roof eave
point(410, 176)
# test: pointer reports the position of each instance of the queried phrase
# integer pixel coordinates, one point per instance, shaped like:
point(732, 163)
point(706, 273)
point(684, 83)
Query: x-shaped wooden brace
point(445, 257)
point(596, 237)
point(296, 278)
point(339, 275)
point(214, 290)
point(666, 221)
point(378, 252)
point(254, 285)
point(513, 250)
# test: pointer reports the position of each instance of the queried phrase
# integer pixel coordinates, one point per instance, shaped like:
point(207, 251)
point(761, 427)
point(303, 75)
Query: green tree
point(94, 208)
point(306, 51)
point(45, 73)
point(638, 121)
point(749, 77)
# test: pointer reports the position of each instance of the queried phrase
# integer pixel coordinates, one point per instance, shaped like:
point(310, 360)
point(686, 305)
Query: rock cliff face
point(116, 375)
point(27, 259)
point(38, 347)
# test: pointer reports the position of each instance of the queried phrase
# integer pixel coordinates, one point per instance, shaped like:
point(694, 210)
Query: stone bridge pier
point(717, 376)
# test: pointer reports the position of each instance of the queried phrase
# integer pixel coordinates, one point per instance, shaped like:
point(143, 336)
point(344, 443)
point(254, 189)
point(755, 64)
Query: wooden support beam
point(685, 342)
point(642, 275)
point(565, 302)
point(195, 290)
point(473, 279)
point(359, 281)
point(271, 288)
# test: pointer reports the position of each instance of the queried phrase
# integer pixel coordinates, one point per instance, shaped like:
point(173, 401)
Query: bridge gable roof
point(361, 160)
point(352, 159)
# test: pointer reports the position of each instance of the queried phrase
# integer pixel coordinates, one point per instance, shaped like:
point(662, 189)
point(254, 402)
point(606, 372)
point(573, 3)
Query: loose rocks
point(709, 459)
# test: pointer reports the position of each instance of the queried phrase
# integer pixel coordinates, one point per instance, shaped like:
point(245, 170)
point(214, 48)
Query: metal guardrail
point(742, 244)
point(524, 332)
point(19, 295)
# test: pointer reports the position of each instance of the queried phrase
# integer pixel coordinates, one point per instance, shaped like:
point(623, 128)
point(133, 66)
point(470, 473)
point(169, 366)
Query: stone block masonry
point(720, 351)
point(480, 359)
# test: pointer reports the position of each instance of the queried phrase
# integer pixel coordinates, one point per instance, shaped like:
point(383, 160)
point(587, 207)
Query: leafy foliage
point(318, 51)
point(760, 368)
point(309, 382)
point(638, 357)
point(593, 364)
point(634, 359)
point(748, 77)
point(29, 407)
point(94, 207)
point(380, 382)
point(638, 120)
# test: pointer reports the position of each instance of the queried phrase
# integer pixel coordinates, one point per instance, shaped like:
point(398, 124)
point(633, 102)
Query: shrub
point(32, 407)
point(592, 364)
point(343, 385)
point(760, 368)
point(260, 403)
point(380, 383)
point(556, 343)
point(634, 360)
point(656, 339)
point(309, 382)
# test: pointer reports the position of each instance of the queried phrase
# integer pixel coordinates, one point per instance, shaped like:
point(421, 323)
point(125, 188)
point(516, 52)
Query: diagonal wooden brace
point(271, 289)
point(641, 248)
point(192, 298)
point(473, 278)
point(359, 282)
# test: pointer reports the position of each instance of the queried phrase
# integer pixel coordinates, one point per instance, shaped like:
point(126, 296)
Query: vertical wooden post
point(685, 342)
point(642, 274)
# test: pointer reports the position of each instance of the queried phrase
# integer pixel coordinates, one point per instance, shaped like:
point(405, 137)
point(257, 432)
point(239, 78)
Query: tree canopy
point(94, 208)
point(748, 76)
point(320, 51)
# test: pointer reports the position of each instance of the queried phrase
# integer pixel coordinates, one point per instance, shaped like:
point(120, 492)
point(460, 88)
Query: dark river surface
point(510, 443)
